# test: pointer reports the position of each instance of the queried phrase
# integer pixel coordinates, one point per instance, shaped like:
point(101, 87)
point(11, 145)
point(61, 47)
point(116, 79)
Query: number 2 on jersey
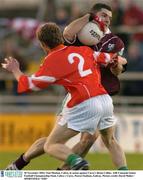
point(82, 72)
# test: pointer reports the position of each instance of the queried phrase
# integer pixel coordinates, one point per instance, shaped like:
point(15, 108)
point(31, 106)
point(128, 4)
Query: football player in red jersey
point(109, 43)
point(76, 69)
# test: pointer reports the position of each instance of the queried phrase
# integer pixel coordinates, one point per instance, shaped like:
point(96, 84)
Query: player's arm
point(74, 27)
point(110, 59)
point(104, 58)
point(38, 81)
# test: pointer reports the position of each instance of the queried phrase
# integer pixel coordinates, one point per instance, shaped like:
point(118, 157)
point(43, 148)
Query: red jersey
point(110, 43)
point(75, 68)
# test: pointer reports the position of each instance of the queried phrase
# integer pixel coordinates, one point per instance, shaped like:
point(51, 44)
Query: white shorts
point(96, 112)
point(64, 104)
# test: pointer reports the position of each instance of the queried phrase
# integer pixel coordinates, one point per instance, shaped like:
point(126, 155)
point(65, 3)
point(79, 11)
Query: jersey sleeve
point(68, 42)
point(103, 58)
point(39, 80)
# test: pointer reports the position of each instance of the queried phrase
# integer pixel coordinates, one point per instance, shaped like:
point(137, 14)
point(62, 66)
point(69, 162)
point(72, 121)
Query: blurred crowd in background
point(17, 35)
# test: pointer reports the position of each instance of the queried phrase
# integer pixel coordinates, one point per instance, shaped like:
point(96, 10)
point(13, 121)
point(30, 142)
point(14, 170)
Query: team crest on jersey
point(110, 47)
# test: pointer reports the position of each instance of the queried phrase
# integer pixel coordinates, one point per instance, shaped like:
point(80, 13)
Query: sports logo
point(1, 173)
point(110, 47)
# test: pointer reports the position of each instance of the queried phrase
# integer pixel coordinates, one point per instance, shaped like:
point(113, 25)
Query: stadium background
point(24, 118)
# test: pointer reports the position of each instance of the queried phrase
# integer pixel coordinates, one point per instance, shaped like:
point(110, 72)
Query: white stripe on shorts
point(96, 112)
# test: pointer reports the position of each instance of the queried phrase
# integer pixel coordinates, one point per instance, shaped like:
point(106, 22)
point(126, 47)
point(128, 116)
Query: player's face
point(105, 15)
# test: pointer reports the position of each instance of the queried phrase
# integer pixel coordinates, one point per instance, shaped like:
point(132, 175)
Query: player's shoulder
point(80, 48)
point(62, 53)
point(112, 43)
point(110, 37)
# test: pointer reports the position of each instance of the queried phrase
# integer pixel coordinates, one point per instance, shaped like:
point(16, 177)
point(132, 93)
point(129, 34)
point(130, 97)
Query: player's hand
point(96, 19)
point(10, 64)
point(117, 66)
point(114, 61)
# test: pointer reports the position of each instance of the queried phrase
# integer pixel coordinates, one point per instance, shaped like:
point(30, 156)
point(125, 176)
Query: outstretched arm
point(38, 81)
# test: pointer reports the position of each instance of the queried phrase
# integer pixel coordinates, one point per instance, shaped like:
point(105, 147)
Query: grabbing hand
point(114, 62)
point(118, 65)
point(10, 64)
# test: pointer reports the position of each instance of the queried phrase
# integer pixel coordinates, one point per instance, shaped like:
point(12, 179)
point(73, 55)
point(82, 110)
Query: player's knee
point(47, 148)
point(108, 141)
point(86, 141)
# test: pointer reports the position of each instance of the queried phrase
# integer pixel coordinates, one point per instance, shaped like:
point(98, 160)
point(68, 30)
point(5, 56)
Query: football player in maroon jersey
point(100, 13)
point(109, 43)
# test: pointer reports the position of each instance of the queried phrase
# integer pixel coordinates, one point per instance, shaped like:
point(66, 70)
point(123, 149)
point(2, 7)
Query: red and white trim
point(49, 79)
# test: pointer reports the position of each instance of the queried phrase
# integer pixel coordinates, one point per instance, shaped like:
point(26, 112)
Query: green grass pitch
point(98, 161)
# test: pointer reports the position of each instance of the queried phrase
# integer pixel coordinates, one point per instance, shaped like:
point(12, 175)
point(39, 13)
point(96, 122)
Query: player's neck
point(60, 46)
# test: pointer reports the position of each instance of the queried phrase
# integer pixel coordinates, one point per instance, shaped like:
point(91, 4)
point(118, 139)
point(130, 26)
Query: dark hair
point(97, 7)
point(49, 34)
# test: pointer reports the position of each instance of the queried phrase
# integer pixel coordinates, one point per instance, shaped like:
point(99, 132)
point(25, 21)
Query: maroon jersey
point(112, 44)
